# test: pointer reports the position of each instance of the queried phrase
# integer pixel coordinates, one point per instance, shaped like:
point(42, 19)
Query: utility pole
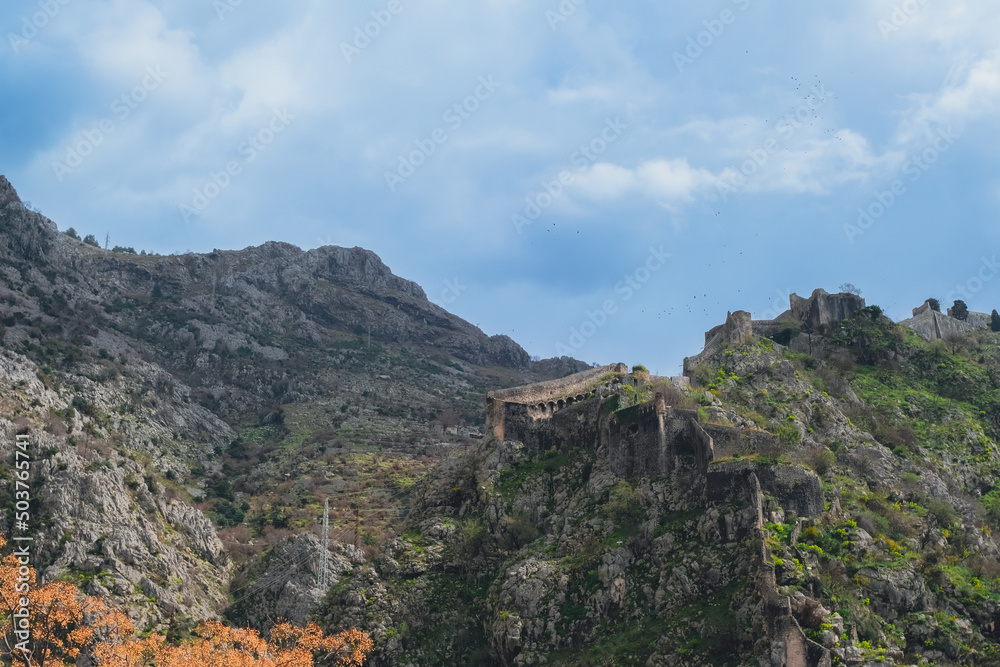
point(324, 554)
point(357, 525)
point(107, 240)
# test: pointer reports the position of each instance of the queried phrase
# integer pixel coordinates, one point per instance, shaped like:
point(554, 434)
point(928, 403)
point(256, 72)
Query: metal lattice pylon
point(324, 550)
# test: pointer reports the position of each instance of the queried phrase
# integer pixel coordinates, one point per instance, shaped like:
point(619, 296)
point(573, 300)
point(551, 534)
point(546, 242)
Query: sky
point(598, 179)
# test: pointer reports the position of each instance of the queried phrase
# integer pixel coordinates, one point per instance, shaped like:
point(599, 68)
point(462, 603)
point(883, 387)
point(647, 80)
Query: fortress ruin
point(811, 315)
point(650, 438)
point(933, 325)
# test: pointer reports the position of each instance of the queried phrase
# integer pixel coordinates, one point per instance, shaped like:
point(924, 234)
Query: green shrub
point(703, 415)
point(227, 514)
point(870, 336)
point(520, 530)
point(991, 503)
point(788, 434)
point(625, 503)
point(704, 375)
point(472, 535)
point(824, 461)
point(959, 310)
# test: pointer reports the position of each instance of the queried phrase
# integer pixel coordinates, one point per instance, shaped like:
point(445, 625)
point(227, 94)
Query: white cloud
point(971, 91)
point(670, 181)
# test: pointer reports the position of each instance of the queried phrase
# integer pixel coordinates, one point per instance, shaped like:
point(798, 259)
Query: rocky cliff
point(829, 500)
point(845, 515)
point(190, 413)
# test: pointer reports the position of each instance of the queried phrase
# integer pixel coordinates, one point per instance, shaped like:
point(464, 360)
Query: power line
point(282, 574)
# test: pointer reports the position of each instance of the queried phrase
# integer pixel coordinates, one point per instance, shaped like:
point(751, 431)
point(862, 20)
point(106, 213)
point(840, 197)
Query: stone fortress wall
point(654, 439)
point(811, 315)
point(647, 439)
point(542, 400)
point(932, 325)
point(816, 313)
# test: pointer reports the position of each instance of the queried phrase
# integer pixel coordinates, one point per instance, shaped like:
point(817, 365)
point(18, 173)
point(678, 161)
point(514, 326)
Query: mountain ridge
point(191, 412)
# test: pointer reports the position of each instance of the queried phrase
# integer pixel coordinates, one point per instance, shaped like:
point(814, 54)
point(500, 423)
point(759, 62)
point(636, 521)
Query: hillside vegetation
point(548, 558)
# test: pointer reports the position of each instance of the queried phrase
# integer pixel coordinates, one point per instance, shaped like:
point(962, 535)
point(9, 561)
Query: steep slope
point(840, 507)
point(165, 394)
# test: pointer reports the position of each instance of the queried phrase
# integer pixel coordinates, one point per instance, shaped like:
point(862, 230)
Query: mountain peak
point(7, 192)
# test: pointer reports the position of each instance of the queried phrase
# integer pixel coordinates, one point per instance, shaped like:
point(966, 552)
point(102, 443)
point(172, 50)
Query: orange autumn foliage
point(222, 646)
point(63, 625)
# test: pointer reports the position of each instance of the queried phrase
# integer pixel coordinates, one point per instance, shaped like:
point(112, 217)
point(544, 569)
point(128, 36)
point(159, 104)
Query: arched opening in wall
point(570, 401)
point(552, 407)
point(633, 429)
point(561, 404)
point(684, 449)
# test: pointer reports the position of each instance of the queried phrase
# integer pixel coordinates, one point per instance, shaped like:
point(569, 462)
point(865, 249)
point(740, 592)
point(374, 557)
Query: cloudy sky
point(601, 179)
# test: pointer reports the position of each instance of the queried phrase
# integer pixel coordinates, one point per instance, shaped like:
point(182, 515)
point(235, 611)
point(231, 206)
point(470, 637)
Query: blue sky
point(536, 166)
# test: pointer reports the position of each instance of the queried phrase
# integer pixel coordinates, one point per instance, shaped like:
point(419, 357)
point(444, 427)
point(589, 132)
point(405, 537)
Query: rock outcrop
point(157, 388)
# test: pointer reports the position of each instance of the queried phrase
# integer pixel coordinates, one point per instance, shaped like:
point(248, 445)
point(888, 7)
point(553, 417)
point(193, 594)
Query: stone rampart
point(795, 488)
point(737, 330)
point(542, 400)
point(812, 315)
point(932, 325)
point(652, 439)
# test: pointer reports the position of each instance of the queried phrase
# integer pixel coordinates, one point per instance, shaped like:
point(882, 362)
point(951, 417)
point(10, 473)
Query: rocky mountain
point(829, 501)
point(189, 413)
point(818, 489)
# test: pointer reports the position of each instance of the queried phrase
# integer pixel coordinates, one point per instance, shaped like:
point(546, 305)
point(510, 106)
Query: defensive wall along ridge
point(651, 438)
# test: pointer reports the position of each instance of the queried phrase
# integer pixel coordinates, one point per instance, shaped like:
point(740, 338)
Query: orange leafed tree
point(63, 624)
point(222, 646)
